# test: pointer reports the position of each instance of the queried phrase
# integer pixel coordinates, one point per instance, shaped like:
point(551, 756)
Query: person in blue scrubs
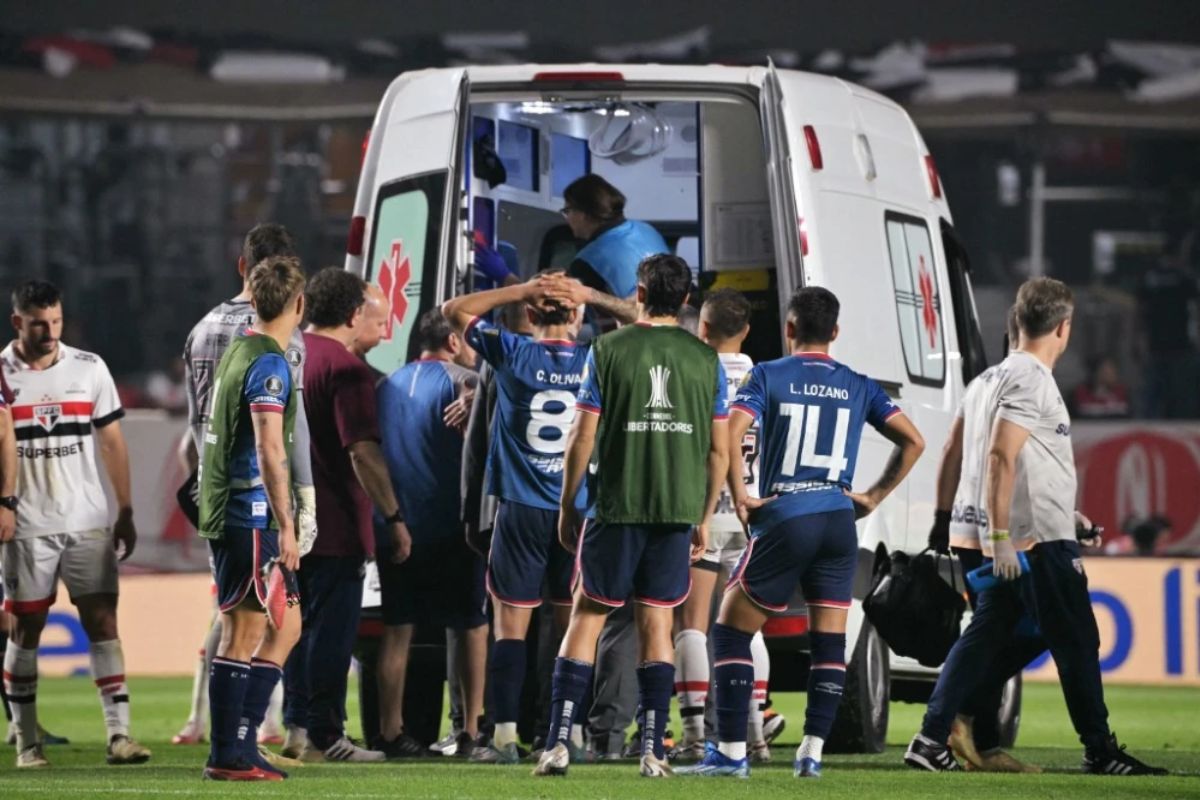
point(613, 246)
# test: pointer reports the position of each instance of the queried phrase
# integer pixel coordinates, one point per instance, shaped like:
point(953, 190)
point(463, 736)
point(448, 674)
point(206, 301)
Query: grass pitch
point(1161, 726)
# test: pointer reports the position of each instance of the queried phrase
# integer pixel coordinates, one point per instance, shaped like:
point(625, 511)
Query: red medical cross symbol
point(394, 275)
point(928, 312)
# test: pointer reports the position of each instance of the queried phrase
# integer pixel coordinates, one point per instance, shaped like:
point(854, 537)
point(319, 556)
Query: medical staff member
point(613, 246)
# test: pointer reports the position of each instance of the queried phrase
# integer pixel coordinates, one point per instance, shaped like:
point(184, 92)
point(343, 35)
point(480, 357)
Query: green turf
point(1159, 725)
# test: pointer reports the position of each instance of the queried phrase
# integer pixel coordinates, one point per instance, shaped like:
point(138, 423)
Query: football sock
point(733, 682)
point(577, 735)
point(108, 671)
point(199, 690)
point(572, 680)
point(691, 681)
point(655, 681)
point(826, 678)
point(228, 681)
point(3, 691)
point(20, 684)
point(758, 700)
point(260, 686)
point(275, 705)
point(810, 747)
point(506, 673)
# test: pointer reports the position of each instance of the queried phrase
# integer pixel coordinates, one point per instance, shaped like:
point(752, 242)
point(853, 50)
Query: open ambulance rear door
point(406, 236)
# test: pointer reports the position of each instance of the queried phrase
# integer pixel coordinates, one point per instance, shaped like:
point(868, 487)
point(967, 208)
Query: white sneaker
point(654, 767)
point(553, 761)
point(294, 742)
point(32, 757)
point(447, 745)
point(760, 753)
point(345, 750)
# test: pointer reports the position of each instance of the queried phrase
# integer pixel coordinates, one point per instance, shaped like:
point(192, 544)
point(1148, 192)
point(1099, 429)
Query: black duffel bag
point(915, 611)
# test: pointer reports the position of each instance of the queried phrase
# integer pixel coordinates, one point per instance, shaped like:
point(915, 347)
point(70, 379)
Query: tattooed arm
point(900, 431)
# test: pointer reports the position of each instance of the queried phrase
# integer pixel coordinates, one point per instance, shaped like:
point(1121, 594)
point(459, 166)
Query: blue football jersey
point(423, 454)
point(536, 382)
point(811, 411)
point(267, 387)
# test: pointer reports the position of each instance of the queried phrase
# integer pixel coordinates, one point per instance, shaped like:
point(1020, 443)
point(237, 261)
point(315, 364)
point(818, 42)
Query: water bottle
point(982, 578)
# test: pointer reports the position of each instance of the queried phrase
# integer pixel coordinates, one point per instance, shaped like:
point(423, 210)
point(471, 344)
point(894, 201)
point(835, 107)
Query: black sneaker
point(926, 754)
point(403, 746)
point(1113, 760)
point(465, 745)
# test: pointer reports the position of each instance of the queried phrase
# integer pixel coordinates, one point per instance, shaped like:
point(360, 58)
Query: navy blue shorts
point(817, 551)
point(525, 550)
point(650, 562)
point(441, 584)
point(238, 559)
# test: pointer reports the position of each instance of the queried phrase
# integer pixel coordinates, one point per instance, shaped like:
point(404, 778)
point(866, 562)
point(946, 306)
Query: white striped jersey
point(737, 367)
point(54, 411)
point(208, 341)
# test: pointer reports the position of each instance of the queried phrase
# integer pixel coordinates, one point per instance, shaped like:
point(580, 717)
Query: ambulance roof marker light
point(814, 148)
point(935, 181)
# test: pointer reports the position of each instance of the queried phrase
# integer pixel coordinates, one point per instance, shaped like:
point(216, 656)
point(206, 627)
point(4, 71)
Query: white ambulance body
point(764, 179)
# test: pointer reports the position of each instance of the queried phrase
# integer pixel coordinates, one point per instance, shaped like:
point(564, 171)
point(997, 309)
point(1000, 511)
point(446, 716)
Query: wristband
point(998, 535)
point(397, 518)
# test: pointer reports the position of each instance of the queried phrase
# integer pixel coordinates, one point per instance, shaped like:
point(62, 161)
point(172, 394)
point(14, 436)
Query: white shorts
point(86, 562)
point(725, 547)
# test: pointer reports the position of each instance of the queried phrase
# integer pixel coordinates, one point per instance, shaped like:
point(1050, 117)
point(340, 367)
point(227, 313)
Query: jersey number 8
point(808, 418)
point(540, 418)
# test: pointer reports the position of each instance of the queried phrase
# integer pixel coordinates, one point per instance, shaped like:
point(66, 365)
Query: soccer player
point(246, 514)
point(66, 402)
point(653, 405)
point(811, 411)
point(442, 581)
point(536, 380)
point(724, 324)
point(1023, 418)
point(350, 474)
point(202, 352)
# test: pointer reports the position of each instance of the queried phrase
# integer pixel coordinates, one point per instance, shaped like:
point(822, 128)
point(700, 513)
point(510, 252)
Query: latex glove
point(1005, 565)
point(1086, 533)
point(939, 534)
point(490, 264)
point(306, 518)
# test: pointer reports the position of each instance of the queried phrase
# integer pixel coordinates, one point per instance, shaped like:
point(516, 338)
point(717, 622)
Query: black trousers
point(999, 642)
point(315, 679)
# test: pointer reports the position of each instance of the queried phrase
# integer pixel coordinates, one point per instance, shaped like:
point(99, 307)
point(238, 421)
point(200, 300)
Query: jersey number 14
point(804, 421)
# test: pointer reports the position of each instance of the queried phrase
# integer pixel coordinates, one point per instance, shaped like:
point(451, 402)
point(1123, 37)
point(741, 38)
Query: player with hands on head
point(811, 411)
point(536, 379)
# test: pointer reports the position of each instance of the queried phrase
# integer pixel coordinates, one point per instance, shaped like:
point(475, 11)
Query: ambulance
point(765, 180)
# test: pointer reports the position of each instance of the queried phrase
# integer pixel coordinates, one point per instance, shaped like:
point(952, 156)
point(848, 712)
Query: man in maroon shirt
point(350, 475)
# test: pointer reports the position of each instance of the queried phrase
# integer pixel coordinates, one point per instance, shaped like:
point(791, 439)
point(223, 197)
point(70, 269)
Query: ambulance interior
point(694, 170)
